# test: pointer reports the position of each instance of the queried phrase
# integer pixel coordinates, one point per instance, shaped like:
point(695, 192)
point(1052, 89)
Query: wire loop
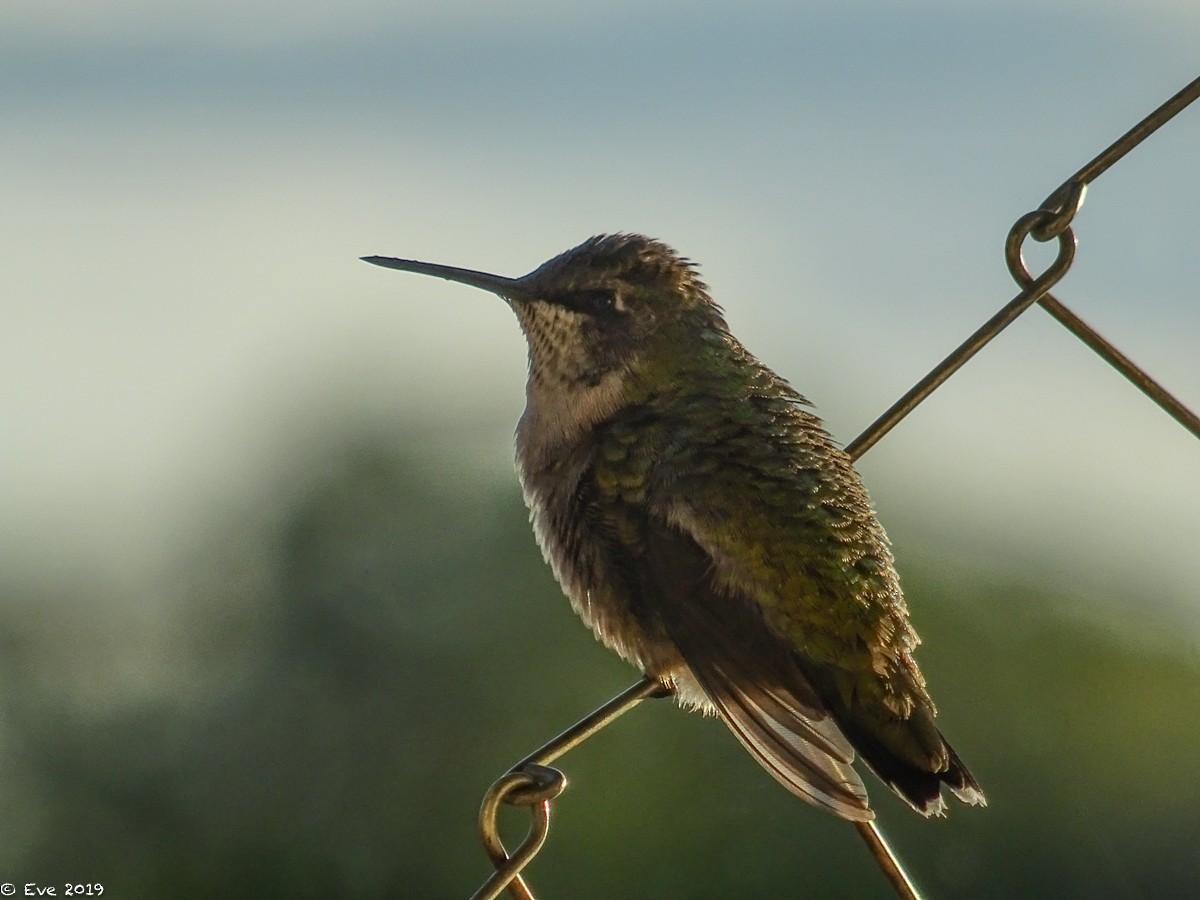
point(521, 788)
point(534, 783)
point(1058, 211)
point(1033, 289)
point(539, 785)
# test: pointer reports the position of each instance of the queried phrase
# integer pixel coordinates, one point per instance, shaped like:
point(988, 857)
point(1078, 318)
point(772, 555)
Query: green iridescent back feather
point(720, 447)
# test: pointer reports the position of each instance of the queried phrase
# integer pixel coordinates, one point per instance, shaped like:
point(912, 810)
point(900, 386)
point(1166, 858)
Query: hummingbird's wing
point(754, 683)
point(801, 575)
point(750, 545)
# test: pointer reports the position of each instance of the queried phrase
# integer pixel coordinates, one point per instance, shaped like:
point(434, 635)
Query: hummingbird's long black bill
point(496, 284)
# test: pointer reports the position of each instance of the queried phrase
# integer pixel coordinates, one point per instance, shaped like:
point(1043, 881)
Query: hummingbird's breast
point(556, 455)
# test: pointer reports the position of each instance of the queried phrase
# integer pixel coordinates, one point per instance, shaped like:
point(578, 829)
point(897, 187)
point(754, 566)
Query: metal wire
point(532, 782)
point(1122, 364)
point(888, 861)
point(1050, 220)
point(977, 341)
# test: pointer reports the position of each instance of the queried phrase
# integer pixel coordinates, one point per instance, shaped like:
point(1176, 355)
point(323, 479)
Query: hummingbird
point(705, 525)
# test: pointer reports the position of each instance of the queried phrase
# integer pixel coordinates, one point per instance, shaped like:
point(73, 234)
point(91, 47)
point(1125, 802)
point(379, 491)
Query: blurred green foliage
point(355, 666)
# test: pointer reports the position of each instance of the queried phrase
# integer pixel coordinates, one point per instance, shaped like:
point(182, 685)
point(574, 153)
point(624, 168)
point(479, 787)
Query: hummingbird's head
point(599, 312)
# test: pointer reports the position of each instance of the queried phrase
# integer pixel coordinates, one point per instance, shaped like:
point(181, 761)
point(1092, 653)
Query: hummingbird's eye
point(597, 301)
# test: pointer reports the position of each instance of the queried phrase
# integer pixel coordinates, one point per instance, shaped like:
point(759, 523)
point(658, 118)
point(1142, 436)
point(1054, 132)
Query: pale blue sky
point(187, 188)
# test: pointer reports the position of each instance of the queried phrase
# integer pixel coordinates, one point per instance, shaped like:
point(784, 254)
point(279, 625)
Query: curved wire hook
point(1059, 210)
point(1028, 226)
point(532, 782)
point(534, 786)
point(1052, 220)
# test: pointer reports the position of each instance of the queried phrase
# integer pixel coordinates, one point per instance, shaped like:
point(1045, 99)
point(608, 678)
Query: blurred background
point(271, 618)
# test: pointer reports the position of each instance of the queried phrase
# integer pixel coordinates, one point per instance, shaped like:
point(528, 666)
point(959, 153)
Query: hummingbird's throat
point(571, 388)
point(565, 353)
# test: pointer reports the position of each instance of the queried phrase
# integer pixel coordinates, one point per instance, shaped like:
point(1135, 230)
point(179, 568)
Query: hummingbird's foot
point(666, 688)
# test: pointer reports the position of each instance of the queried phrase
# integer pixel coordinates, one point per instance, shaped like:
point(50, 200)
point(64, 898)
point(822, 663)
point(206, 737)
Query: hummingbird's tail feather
point(752, 680)
point(798, 748)
point(920, 787)
point(961, 782)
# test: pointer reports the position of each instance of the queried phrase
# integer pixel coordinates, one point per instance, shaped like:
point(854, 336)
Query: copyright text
point(34, 889)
